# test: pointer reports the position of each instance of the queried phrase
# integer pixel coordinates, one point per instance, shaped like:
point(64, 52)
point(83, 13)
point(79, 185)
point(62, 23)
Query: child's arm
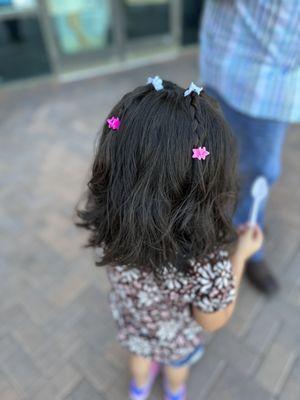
point(250, 240)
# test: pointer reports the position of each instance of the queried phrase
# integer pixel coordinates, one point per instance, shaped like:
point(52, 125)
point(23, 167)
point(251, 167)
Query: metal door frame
point(121, 52)
point(61, 62)
point(120, 48)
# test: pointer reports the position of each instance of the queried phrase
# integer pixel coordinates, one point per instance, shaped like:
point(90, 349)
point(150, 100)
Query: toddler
point(159, 209)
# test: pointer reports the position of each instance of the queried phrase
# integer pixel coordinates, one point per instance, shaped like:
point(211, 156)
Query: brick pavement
point(56, 332)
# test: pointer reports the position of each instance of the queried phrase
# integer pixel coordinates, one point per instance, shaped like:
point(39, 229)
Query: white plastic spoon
point(259, 191)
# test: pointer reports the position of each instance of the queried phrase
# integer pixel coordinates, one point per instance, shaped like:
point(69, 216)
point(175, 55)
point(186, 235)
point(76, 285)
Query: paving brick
point(8, 346)
point(36, 305)
point(291, 388)
point(205, 374)
point(68, 340)
point(23, 374)
point(3, 382)
point(118, 390)
point(68, 289)
point(275, 368)
point(13, 317)
point(284, 311)
point(6, 390)
point(91, 365)
point(9, 394)
point(11, 284)
point(292, 270)
point(289, 338)
point(93, 299)
point(234, 385)
point(31, 338)
point(230, 348)
point(287, 239)
point(116, 355)
point(64, 318)
point(84, 390)
point(97, 329)
point(55, 235)
point(248, 306)
point(38, 260)
point(60, 385)
point(55, 353)
point(263, 330)
point(293, 295)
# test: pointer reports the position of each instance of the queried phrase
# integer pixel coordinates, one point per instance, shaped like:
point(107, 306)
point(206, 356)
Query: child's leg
point(140, 369)
point(176, 377)
point(144, 372)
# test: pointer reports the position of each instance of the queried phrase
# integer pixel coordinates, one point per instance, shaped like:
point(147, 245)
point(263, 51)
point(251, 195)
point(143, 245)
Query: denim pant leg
point(260, 144)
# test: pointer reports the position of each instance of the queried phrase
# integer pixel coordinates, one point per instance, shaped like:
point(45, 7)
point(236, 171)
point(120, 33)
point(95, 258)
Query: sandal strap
point(180, 395)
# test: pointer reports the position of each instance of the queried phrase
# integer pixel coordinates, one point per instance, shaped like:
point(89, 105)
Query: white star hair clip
point(156, 82)
point(193, 88)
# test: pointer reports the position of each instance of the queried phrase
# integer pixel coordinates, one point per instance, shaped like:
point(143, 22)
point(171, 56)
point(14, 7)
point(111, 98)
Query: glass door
point(80, 32)
point(91, 33)
point(151, 23)
point(22, 50)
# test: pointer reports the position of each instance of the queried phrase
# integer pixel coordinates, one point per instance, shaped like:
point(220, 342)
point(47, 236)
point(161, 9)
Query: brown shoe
point(261, 277)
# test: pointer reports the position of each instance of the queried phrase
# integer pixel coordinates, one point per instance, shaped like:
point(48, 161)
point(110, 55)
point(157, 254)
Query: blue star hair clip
point(156, 82)
point(193, 88)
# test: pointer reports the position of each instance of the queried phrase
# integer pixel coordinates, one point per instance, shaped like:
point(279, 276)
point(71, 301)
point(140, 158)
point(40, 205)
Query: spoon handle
point(254, 211)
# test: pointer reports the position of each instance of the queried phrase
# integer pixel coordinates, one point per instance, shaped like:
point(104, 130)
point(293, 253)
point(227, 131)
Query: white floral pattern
point(145, 299)
point(130, 275)
point(167, 330)
point(139, 345)
point(154, 317)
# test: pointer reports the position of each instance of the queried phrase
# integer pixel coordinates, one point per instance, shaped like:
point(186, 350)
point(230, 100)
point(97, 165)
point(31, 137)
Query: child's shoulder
point(211, 269)
point(218, 259)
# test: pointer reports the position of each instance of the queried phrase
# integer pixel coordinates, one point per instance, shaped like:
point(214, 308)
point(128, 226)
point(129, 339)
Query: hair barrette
point(200, 153)
point(113, 123)
point(193, 88)
point(156, 82)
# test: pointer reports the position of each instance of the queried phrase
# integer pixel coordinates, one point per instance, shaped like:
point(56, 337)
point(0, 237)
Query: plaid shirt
point(250, 53)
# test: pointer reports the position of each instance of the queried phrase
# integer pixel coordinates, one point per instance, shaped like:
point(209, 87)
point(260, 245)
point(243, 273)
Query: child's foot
point(142, 393)
point(179, 395)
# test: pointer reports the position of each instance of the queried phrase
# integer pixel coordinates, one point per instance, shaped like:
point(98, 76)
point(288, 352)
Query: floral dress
point(154, 317)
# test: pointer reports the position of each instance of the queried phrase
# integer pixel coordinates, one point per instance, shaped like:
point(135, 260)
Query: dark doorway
point(22, 50)
point(192, 10)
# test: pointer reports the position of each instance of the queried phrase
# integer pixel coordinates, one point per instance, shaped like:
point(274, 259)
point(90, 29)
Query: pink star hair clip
point(201, 153)
point(114, 123)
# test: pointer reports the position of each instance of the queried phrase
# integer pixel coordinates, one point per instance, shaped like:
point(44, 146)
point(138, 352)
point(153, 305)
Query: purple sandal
point(142, 393)
point(180, 395)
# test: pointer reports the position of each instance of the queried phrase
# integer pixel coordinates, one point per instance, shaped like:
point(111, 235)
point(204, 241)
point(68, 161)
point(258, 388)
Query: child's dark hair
point(149, 202)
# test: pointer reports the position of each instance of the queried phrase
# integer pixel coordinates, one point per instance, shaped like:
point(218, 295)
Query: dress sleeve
point(214, 287)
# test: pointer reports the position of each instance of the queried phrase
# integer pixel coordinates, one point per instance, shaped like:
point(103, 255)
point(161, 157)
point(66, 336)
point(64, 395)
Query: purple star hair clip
point(114, 123)
point(200, 153)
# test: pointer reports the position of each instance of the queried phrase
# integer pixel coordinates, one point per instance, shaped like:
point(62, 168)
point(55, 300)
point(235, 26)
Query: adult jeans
point(260, 144)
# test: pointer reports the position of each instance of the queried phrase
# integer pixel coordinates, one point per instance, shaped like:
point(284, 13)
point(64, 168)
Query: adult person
point(250, 61)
